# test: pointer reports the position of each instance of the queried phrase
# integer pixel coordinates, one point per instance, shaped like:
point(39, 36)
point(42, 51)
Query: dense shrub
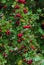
point(21, 32)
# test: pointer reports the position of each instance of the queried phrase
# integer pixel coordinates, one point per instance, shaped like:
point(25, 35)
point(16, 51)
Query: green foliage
point(21, 33)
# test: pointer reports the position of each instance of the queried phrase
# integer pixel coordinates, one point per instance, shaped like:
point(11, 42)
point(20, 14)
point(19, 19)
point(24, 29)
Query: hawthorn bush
point(21, 33)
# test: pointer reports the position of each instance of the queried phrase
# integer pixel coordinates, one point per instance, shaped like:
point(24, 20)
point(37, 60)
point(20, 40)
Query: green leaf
point(40, 30)
point(3, 1)
point(37, 58)
point(39, 10)
point(42, 63)
point(14, 4)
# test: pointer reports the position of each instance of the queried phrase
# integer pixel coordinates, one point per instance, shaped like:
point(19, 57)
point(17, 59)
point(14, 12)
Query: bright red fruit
point(22, 1)
point(17, 7)
point(27, 26)
point(7, 32)
point(20, 35)
point(25, 10)
point(18, 15)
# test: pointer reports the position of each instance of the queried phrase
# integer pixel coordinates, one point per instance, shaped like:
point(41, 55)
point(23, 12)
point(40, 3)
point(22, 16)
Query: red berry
point(20, 35)
point(27, 26)
point(17, 23)
point(42, 25)
point(22, 46)
point(4, 6)
point(19, 41)
point(25, 10)
point(29, 62)
point(7, 32)
point(0, 30)
point(5, 54)
point(25, 51)
point(18, 15)
point(33, 47)
point(17, 6)
point(21, 1)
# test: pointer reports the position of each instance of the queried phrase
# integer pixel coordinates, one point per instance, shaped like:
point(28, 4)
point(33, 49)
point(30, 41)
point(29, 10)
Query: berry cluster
point(20, 34)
